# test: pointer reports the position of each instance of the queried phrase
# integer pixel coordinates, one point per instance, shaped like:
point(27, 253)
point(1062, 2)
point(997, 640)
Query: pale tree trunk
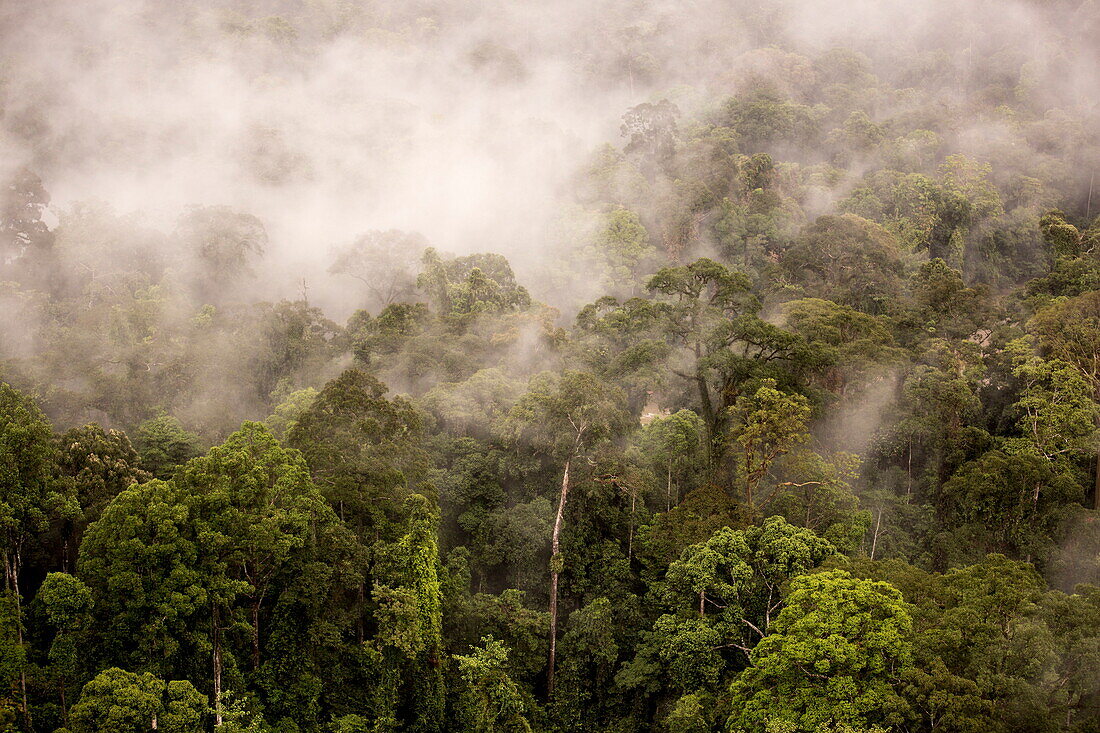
point(217, 670)
point(12, 564)
point(668, 491)
point(875, 534)
point(555, 543)
point(630, 537)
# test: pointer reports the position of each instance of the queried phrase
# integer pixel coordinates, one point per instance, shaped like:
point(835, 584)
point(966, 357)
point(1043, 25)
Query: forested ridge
point(772, 407)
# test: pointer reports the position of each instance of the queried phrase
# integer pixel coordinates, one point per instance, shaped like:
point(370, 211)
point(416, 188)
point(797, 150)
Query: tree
point(625, 343)
point(363, 450)
point(28, 472)
point(13, 663)
point(385, 262)
point(564, 417)
point(764, 120)
point(140, 559)
point(22, 201)
point(98, 464)
point(27, 479)
point(835, 658)
point(590, 654)
point(495, 703)
point(620, 249)
point(738, 576)
point(1070, 330)
point(163, 445)
point(1057, 415)
point(677, 444)
point(720, 344)
point(471, 406)
point(116, 701)
point(255, 511)
point(819, 495)
point(1009, 502)
point(289, 406)
point(462, 287)
point(409, 618)
point(652, 132)
point(849, 260)
point(768, 424)
point(863, 343)
point(67, 603)
point(943, 304)
point(224, 243)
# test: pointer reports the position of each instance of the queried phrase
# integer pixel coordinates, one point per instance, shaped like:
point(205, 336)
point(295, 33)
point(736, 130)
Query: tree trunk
point(12, 565)
point(217, 669)
point(630, 537)
point(668, 493)
point(874, 535)
point(256, 635)
point(555, 539)
point(710, 419)
point(361, 597)
point(64, 704)
point(909, 470)
point(1096, 486)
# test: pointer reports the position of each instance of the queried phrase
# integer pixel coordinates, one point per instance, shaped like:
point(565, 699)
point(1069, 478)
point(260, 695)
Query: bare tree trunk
point(702, 603)
point(668, 493)
point(909, 470)
point(217, 669)
point(555, 563)
point(12, 563)
point(630, 536)
point(256, 634)
point(874, 535)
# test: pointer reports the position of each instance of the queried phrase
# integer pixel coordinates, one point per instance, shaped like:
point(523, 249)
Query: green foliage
point(362, 449)
point(848, 260)
point(768, 423)
point(289, 406)
point(835, 658)
point(116, 700)
point(494, 701)
point(164, 445)
point(819, 332)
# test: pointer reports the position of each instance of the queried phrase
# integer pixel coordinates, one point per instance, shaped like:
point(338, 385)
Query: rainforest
point(491, 366)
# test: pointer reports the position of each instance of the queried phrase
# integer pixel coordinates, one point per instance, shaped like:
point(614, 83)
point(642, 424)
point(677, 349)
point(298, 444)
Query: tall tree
point(564, 417)
point(720, 342)
point(255, 512)
point(1070, 330)
point(28, 480)
point(835, 658)
point(385, 262)
point(22, 202)
point(409, 619)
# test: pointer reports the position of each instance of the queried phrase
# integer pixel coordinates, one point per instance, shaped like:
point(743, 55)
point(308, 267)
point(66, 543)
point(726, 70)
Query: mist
point(465, 123)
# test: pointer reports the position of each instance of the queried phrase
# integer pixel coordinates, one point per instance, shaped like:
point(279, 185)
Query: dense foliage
point(814, 448)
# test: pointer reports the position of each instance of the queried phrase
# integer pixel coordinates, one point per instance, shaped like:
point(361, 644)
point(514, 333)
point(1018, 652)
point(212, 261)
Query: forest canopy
point(532, 368)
